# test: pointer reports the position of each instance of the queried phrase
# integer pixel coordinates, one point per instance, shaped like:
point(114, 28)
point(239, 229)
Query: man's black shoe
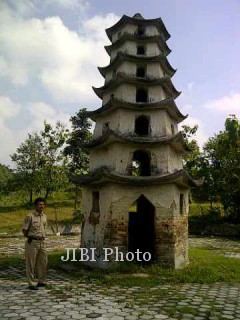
point(32, 288)
point(41, 285)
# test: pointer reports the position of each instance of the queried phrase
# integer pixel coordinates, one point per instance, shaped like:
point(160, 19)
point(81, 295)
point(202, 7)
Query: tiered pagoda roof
point(176, 141)
point(122, 56)
point(121, 78)
point(105, 174)
point(141, 39)
point(113, 104)
point(137, 19)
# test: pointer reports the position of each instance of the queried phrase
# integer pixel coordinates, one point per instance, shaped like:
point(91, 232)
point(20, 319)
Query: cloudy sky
point(50, 50)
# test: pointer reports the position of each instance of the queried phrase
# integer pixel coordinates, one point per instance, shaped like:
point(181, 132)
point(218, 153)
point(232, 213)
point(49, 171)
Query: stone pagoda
point(136, 195)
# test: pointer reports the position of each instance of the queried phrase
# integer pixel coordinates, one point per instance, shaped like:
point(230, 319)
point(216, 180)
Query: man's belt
point(30, 238)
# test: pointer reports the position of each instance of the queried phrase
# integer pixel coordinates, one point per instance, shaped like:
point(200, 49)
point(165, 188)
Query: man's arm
point(25, 232)
point(26, 225)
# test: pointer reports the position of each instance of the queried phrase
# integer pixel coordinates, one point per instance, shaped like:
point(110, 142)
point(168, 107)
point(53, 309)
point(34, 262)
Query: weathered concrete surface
point(171, 227)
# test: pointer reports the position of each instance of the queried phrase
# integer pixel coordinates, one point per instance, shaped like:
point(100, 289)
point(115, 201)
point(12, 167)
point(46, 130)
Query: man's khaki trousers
point(36, 256)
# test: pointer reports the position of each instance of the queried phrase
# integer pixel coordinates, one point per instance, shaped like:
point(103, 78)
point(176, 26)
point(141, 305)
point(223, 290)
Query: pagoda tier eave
point(139, 38)
point(122, 78)
point(107, 175)
point(126, 19)
point(176, 141)
point(113, 104)
point(122, 57)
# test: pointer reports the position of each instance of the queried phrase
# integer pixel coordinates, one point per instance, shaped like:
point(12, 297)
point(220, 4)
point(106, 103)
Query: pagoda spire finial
point(138, 16)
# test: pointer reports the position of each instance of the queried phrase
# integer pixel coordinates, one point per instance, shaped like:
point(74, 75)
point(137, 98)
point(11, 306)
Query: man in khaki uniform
point(34, 227)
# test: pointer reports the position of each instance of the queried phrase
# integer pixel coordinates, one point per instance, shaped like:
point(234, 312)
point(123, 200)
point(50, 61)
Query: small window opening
point(141, 30)
point(141, 95)
point(105, 126)
point(141, 72)
point(181, 202)
point(112, 96)
point(95, 201)
point(141, 163)
point(140, 50)
point(142, 126)
point(172, 129)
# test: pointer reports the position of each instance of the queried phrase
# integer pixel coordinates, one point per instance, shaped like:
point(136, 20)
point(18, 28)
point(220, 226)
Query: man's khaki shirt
point(36, 224)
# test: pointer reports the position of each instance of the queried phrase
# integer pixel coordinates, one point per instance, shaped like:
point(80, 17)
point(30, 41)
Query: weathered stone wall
point(130, 47)
point(130, 68)
point(131, 29)
point(155, 70)
point(110, 229)
point(119, 156)
point(127, 92)
point(152, 31)
point(123, 120)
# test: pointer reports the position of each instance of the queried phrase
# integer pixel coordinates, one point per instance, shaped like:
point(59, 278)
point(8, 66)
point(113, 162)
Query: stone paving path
point(224, 246)
point(15, 246)
point(67, 298)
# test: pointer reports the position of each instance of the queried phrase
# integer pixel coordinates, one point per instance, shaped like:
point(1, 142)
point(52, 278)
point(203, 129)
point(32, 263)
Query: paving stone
point(80, 300)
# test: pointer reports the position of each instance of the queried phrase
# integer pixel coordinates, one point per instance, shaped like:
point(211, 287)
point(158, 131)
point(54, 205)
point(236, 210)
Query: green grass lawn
point(206, 266)
point(13, 211)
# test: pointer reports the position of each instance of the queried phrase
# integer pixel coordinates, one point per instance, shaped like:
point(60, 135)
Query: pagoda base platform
point(152, 219)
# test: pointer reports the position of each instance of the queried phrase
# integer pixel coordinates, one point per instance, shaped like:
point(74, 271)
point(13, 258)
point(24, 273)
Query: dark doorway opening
point(142, 163)
point(141, 72)
point(142, 126)
point(141, 50)
point(141, 230)
point(141, 30)
point(141, 95)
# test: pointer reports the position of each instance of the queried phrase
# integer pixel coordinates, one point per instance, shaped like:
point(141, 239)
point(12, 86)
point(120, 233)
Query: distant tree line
point(44, 161)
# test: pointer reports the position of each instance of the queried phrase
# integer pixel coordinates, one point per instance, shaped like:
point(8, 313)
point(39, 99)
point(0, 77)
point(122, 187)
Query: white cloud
point(200, 136)
point(72, 4)
point(227, 105)
point(63, 61)
point(8, 108)
point(41, 112)
point(10, 139)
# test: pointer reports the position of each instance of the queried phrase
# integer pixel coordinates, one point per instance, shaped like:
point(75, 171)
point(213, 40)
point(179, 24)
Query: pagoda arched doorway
point(141, 226)
point(141, 163)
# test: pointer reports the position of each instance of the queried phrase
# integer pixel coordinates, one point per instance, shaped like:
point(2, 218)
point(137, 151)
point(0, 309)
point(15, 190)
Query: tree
point(197, 166)
point(28, 159)
point(6, 175)
point(78, 157)
point(191, 159)
point(53, 172)
point(223, 154)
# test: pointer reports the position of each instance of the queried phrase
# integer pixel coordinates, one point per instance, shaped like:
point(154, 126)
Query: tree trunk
point(47, 194)
point(76, 197)
point(31, 197)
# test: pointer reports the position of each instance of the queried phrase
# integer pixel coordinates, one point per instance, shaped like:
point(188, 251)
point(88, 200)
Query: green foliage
point(40, 163)
point(195, 164)
point(54, 165)
point(223, 155)
point(6, 175)
point(78, 156)
point(28, 160)
point(205, 214)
